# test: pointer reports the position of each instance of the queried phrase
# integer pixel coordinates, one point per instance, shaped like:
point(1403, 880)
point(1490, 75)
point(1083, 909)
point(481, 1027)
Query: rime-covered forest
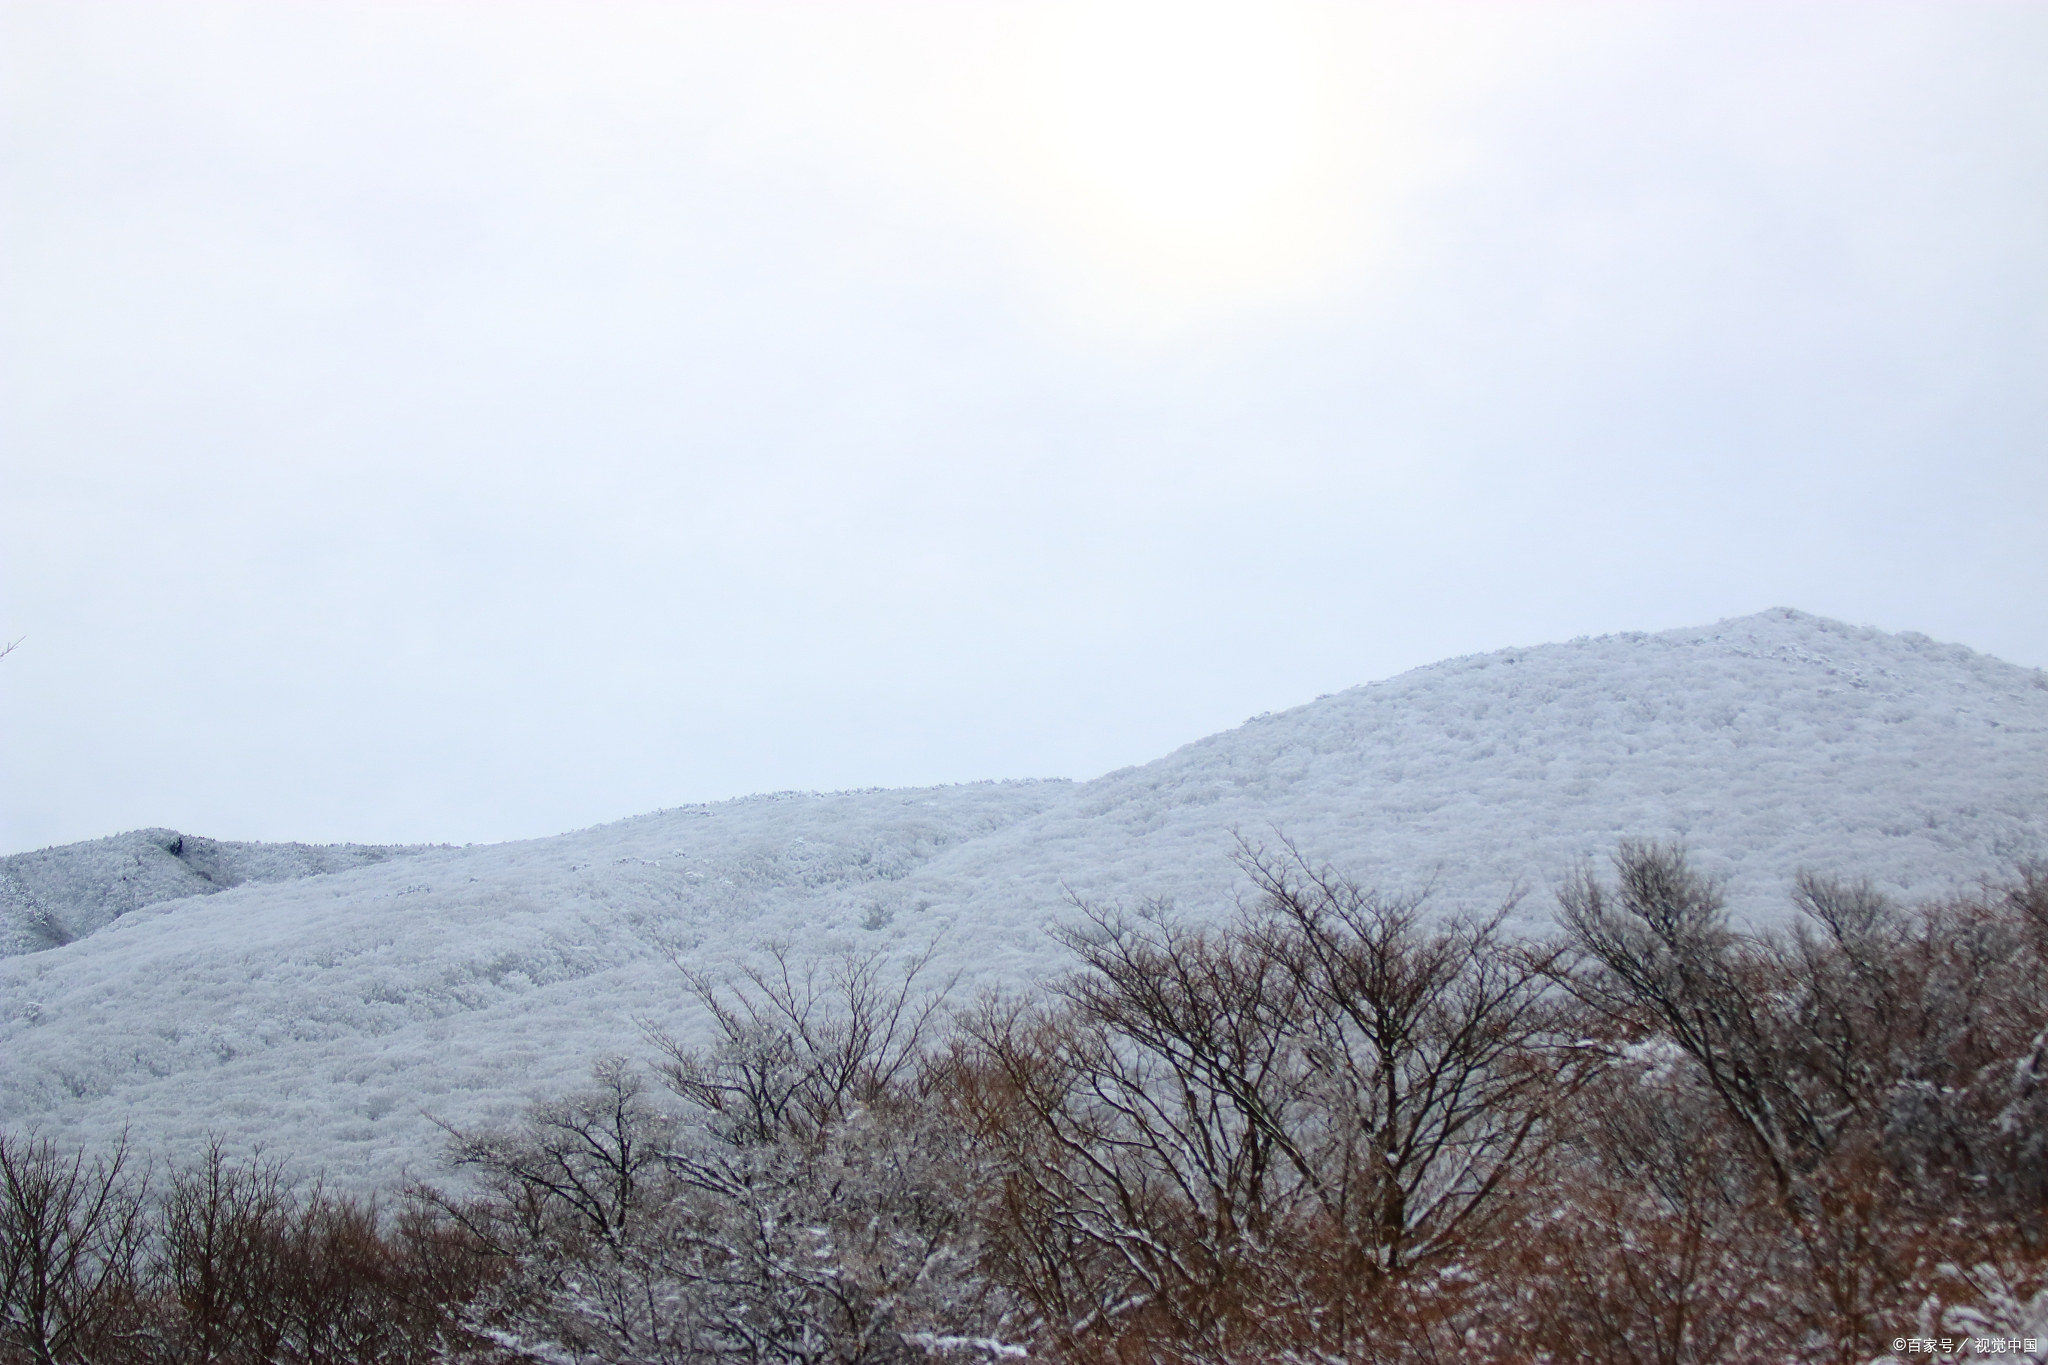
point(1330, 1127)
point(1654, 998)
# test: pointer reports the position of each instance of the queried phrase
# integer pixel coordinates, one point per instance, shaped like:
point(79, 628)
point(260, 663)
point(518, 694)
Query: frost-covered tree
point(799, 1197)
point(1879, 1068)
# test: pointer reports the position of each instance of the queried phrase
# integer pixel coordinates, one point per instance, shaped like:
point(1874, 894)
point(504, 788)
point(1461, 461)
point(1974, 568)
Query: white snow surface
point(328, 1017)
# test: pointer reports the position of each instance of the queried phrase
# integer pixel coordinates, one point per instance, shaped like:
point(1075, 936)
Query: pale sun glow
point(1186, 151)
point(1154, 168)
point(1182, 164)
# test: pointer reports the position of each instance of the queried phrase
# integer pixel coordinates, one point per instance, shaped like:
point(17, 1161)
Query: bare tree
point(1148, 1131)
point(1872, 1061)
point(808, 1203)
point(1239, 1140)
point(1656, 951)
point(221, 1254)
point(802, 1042)
point(71, 1233)
point(1443, 1039)
point(250, 1270)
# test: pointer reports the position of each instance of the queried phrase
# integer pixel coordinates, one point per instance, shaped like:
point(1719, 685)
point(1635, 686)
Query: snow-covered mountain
point(328, 1015)
point(55, 895)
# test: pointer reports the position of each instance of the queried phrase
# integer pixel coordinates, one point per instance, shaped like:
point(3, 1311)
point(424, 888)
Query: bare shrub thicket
point(1330, 1127)
point(253, 1271)
point(798, 1198)
point(225, 1264)
point(1806, 1144)
point(72, 1231)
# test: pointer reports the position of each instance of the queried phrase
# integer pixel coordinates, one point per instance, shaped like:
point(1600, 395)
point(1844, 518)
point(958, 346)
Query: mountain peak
point(326, 1014)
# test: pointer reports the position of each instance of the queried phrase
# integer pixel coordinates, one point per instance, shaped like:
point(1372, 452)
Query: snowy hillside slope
point(321, 1017)
point(55, 895)
point(1767, 744)
point(329, 1016)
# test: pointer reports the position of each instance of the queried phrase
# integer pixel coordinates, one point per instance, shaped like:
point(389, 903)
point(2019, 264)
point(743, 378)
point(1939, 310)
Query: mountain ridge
point(328, 1014)
point(53, 896)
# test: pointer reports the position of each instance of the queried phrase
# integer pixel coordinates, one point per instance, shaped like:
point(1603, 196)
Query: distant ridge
point(53, 896)
point(326, 1016)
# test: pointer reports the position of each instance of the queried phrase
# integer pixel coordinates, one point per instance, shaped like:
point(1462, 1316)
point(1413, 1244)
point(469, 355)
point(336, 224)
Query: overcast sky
point(474, 421)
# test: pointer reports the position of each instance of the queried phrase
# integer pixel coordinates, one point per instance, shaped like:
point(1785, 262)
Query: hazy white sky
point(468, 421)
